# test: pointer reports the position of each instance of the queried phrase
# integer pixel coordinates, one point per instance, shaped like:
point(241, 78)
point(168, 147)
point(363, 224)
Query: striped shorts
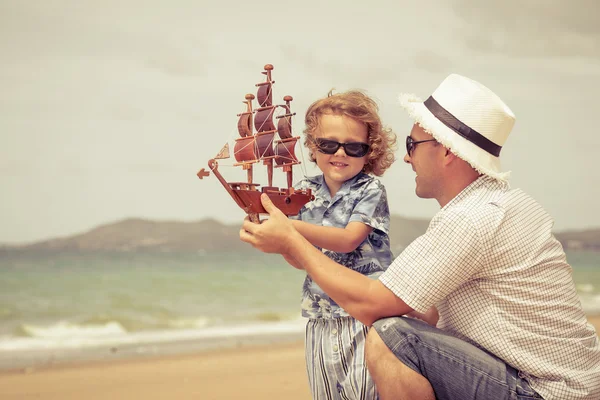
point(335, 360)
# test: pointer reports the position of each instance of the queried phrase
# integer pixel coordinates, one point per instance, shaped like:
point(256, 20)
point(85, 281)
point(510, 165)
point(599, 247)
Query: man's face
point(425, 159)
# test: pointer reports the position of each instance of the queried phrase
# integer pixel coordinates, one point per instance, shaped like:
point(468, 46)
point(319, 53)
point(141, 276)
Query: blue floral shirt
point(362, 199)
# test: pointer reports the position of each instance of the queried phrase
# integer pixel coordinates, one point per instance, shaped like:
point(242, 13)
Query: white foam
point(188, 323)
point(585, 288)
point(590, 303)
point(64, 330)
point(58, 337)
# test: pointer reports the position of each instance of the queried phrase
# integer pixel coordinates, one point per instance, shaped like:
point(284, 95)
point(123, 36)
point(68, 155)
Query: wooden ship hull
point(288, 204)
point(247, 195)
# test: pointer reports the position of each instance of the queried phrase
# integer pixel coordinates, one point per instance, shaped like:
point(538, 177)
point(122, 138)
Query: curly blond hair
point(361, 108)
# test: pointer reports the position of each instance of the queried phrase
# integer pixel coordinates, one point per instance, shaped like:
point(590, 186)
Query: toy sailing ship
point(261, 145)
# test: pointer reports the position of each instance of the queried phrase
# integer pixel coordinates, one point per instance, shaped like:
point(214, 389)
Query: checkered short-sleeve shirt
point(501, 281)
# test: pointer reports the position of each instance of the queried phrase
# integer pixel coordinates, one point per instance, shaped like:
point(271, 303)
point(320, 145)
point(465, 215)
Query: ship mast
point(248, 124)
point(265, 98)
point(285, 147)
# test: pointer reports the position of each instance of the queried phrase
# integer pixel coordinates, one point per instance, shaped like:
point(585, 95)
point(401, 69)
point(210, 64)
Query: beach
point(250, 371)
point(254, 372)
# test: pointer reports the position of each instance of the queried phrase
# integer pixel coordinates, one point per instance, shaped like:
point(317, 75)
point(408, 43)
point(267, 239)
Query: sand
point(272, 371)
point(258, 372)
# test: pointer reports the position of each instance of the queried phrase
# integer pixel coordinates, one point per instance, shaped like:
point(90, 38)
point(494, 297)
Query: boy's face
point(339, 167)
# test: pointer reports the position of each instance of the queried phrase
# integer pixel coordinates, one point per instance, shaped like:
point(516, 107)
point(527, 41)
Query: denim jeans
point(454, 368)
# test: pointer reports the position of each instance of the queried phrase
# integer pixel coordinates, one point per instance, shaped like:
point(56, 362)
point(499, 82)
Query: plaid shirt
point(501, 281)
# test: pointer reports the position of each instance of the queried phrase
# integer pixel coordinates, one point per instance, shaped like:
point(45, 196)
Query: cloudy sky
point(109, 108)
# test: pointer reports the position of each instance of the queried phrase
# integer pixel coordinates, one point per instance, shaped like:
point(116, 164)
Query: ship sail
point(263, 121)
point(245, 147)
point(285, 148)
point(286, 152)
point(265, 89)
point(223, 153)
point(284, 126)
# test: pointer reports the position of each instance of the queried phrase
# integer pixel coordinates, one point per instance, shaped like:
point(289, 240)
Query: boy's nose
point(340, 152)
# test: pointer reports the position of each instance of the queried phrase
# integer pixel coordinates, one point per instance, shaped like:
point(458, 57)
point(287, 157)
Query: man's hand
point(273, 235)
point(431, 316)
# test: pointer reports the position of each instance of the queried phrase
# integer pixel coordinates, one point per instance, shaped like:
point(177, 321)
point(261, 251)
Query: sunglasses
point(411, 143)
point(353, 149)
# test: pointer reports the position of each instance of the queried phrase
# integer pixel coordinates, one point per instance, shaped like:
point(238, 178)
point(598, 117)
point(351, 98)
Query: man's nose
point(407, 158)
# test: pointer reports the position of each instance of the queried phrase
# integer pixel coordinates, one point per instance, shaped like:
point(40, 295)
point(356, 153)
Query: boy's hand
point(273, 235)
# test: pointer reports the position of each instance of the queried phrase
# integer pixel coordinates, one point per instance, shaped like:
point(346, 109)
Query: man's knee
point(395, 330)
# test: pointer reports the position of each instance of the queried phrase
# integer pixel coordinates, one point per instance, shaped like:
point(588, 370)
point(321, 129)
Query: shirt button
point(335, 347)
point(334, 331)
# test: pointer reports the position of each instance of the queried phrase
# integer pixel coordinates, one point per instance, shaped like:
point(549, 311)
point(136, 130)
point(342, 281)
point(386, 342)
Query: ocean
point(56, 306)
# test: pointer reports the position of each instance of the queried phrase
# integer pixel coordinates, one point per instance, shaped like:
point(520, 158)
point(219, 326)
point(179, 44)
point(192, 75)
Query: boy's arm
point(341, 240)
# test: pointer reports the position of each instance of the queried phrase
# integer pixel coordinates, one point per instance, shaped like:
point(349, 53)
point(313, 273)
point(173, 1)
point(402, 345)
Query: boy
point(349, 221)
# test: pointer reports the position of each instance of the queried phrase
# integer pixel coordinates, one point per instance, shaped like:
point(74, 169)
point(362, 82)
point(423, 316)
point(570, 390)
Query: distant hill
point(212, 236)
point(580, 239)
point(404, 230)
point(140, 235)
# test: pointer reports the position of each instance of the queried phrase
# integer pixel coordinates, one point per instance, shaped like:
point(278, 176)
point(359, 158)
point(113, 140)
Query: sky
point(109, 108)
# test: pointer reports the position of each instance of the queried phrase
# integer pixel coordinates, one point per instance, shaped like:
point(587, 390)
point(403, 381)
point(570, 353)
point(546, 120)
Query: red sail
point(245, 149)
point(265, 95)
point(263, 121)
point(284, 127)
point(264, 143)
point(285, 152)
point(245, 125)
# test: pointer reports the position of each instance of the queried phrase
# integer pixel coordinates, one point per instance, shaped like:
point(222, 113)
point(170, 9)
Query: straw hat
point(467, 118)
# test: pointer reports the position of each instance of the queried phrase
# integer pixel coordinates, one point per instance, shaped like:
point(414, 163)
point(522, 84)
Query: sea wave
point(67, 330)
point(590, 303)
point(589, 297)
point(65, 336)
point(585, 288)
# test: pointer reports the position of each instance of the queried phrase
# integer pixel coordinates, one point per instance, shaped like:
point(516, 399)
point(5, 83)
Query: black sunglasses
point(353, 149)
point(411, 143)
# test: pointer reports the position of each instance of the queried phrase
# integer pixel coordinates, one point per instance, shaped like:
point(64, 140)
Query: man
point(510, 321)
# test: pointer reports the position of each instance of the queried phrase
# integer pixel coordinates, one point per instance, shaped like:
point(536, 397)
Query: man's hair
point(361, 108)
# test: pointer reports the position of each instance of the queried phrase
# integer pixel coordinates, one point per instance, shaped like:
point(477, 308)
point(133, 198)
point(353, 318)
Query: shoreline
point(256, 367)
point(29, 360)
point(26, 361)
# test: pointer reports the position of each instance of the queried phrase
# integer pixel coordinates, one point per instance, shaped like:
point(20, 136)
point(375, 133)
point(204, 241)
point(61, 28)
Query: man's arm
point(365, 299)
point(342, 240)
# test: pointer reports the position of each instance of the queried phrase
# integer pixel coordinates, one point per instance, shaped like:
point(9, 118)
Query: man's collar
point(483, 180)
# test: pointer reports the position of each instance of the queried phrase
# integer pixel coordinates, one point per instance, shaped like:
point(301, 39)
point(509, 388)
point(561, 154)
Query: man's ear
point(449, 157)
